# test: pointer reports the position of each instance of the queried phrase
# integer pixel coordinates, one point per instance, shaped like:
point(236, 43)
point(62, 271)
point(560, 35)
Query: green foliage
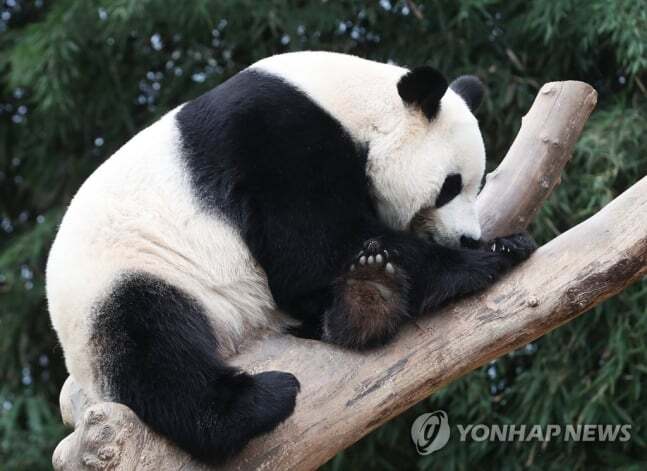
point(78, 78)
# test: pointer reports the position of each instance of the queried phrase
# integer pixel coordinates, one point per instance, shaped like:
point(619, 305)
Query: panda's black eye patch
point(451, 189)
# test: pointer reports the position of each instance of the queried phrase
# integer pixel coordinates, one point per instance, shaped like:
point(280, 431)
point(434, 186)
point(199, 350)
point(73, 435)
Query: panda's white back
point(136, 213)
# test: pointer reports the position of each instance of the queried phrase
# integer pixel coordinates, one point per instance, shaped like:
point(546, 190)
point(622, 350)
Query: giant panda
point(313, 192)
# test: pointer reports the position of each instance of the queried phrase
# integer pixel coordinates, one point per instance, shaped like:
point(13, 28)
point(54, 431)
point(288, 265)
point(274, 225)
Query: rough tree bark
point(516, 190)
point(344, 394)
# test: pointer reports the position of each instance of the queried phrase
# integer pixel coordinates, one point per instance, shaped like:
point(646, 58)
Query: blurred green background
point(79, 78)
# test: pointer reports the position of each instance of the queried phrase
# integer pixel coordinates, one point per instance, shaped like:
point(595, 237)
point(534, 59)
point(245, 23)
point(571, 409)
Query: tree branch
point(516, 190)
point(344, 394)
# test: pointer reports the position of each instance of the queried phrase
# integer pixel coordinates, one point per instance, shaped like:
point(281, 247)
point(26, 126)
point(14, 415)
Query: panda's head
point(427, 169)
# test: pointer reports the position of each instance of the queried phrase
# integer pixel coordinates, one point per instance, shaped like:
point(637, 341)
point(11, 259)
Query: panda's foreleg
point(157, 353)
point(451, 273)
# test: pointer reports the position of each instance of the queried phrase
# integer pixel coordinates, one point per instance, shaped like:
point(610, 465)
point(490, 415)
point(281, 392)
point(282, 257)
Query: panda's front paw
point(516, 246)
point(373, 256)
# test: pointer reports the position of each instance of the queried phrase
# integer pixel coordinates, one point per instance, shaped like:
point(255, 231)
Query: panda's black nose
point(470, 243)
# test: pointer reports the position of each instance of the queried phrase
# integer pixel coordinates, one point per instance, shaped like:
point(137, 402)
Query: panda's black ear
point(424, 87)
point(470, 89)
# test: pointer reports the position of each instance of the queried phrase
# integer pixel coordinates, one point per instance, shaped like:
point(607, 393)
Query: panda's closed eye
point(451, 189)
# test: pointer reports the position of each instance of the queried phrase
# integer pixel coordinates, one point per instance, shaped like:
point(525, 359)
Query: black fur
point(268, 159)
point(470, 243)
point(452, 186)
point(471, 89)
point(288, 175)
point(423, 87)
point(452, 273)
point(157, 355)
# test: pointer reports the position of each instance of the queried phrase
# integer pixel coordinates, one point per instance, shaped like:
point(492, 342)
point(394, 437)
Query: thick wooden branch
point(345, 394)
point(518, 187)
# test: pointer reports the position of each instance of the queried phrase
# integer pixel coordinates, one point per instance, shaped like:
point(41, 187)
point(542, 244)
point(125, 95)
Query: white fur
point(137, 211)
point(409, 156)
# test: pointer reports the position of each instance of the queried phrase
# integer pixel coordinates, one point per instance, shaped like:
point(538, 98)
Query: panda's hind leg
point(370, 300)
point(157, 354)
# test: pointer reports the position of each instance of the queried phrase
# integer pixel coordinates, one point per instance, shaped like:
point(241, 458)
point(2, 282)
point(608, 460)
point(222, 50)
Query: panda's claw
point(372, 245)
point(389, 268)
point(516, 246)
